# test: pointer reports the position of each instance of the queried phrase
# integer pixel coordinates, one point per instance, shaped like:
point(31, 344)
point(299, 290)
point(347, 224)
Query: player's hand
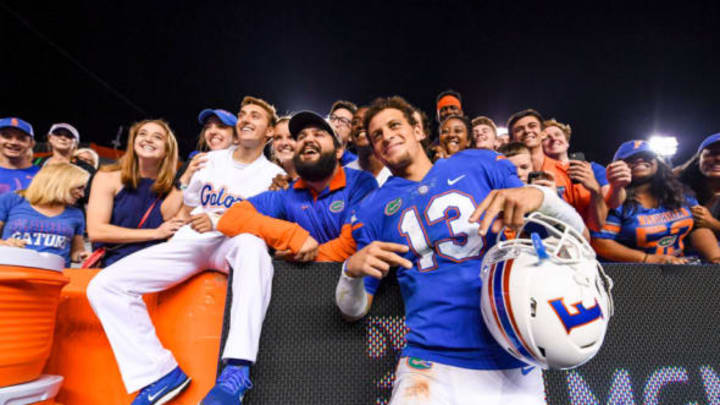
point(618, 174)
point(79, 257)
point(582, 173)
point(509, 206)
point(13, 242)
point(198, 162)
point(280, 182)
point(704, 219)
point(376, 259)
point(201, 223)
point(168, 228)
point(665, 259)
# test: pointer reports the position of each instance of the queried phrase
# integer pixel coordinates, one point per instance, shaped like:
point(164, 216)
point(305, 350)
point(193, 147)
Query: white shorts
point(423, 382)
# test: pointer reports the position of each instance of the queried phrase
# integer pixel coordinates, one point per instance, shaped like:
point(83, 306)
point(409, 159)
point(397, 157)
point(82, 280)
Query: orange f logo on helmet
point(636, 144)
point(14, 122)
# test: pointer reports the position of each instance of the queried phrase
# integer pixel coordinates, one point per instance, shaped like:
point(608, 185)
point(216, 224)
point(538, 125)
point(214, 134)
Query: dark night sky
point(614, 72)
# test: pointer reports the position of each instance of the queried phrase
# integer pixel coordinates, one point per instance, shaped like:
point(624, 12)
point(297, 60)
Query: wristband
point(350, 296)
point(180, 186)
point(554, 206)
point(344, 272)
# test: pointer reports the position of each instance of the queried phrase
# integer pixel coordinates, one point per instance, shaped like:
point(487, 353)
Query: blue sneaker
point(230, 387)
point(164, 389)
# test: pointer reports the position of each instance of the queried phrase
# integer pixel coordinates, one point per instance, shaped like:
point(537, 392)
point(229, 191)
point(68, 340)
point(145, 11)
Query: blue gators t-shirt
point(322, 215)
point(40, 232)
point(442, 291)
point(16, 179)
point(653, 230)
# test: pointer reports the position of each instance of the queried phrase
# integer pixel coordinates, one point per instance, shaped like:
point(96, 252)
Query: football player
point(435, 222)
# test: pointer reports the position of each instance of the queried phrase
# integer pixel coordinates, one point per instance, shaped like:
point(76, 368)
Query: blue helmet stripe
point(499, 297)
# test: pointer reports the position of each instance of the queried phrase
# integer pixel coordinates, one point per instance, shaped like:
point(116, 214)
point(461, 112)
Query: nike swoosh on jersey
point(526, 370)
point(455, 180)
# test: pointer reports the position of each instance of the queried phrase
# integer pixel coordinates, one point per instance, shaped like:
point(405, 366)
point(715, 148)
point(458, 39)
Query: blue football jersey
point(653, 230)
point(442, 291)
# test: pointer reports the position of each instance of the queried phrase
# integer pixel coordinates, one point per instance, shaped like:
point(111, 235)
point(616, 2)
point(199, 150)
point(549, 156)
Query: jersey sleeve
point(611, 229)
point(600, 174)
point(8, 200)
point(242, 217)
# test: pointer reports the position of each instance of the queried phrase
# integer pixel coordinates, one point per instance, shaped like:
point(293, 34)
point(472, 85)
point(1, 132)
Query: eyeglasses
point(341, 120)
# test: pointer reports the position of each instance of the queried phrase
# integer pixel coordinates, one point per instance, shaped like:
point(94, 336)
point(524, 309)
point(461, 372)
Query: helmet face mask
point(546, 302)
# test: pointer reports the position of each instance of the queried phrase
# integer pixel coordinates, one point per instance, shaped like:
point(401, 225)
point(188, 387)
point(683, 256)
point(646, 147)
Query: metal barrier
point(661, 347)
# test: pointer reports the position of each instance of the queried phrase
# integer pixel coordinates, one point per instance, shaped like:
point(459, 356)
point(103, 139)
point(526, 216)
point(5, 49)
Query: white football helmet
point(547, 302)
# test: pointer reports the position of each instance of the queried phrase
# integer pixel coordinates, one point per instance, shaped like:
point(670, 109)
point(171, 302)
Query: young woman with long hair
point(653, 223)
point(135, 187)
point(42, 217)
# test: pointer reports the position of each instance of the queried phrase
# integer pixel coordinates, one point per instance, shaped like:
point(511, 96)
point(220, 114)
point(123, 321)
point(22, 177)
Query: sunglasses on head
point(63, 133)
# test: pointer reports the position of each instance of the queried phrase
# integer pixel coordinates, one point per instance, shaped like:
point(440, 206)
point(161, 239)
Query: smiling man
point(115, 294)
point(426, 220)
point(16, 143)
point(314, 209)
point(366, 158)
point(585, 195)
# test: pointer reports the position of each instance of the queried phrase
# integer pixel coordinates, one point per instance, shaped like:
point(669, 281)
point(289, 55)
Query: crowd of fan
point(637, 208)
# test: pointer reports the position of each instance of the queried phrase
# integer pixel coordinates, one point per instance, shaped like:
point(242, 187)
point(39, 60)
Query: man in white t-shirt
point(116, 292)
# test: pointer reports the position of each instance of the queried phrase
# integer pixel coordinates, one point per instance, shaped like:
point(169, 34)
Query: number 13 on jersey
point(460, 240)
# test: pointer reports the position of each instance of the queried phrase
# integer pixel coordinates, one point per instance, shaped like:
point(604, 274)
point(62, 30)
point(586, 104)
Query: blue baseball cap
point(13, 122)
point(709, 141)
point(633, 147)
point(225, 117)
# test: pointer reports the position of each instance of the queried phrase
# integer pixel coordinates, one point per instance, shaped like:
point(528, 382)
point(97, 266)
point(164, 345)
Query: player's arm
point(351, 297)
point(373, 260)
point(508, 207)
point(362, 271)
point(705, 242)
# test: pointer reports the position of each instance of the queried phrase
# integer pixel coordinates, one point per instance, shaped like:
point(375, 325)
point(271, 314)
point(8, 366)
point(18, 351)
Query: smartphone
point(577, 156)
point(532, 176)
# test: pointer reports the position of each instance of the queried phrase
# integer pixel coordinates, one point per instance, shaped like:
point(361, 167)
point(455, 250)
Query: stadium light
point(665, 146)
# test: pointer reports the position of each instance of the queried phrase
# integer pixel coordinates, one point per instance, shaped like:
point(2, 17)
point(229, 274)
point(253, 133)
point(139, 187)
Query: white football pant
point(441, 384)
point(116, 296)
